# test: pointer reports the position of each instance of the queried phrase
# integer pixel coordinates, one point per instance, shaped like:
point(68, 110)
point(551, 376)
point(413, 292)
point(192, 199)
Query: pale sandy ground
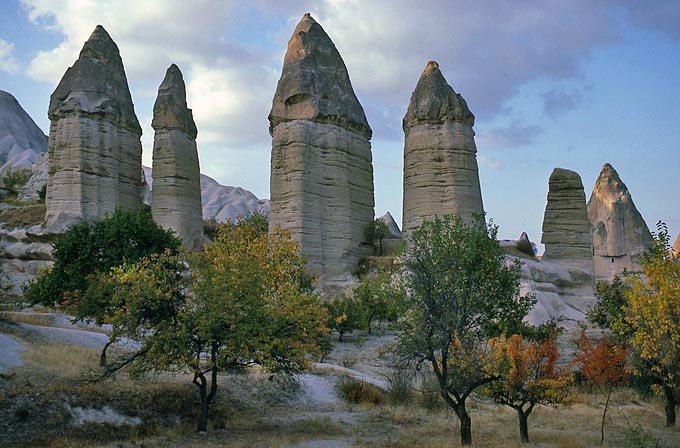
point(10, 353)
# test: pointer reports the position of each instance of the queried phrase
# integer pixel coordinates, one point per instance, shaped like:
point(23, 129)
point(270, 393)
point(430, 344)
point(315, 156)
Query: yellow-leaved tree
point(652, 312)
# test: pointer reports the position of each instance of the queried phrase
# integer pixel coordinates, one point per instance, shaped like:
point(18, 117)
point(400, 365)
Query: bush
point(526, 247)
point(360, 391)
point(13, 180)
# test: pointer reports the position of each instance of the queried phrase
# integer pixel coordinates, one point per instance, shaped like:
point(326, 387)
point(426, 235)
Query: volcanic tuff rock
point(676, 245)
point(620, 235)
point(568, 240)
point(18, 132)
point(566, 228)
point(392, 227)
point(176, 201)
point(94, 143)
point(321, 166)
point(440, 163)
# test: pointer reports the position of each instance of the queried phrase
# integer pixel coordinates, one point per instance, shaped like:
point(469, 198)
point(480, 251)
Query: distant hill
point(21, 140)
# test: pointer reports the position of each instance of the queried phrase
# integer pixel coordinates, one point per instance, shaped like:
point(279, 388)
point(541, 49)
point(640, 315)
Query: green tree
point(652, 313)
point(377, 231)
point(458, 290)
point(13, 180)
point(91, 248)
point(377, 299)
point(344, 315)
point(528, 376)
point(608, 312)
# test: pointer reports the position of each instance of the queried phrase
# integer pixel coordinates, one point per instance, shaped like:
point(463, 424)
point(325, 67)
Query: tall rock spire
point(321, 181)
point(94, 148)
point(620, 235)
point(176, 202)
point(440, 157)
point(566, 228)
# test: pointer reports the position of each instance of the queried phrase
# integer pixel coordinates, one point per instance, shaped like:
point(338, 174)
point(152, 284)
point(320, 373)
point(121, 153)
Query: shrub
point(526, 247)
point(360, 391)
point(13, 180)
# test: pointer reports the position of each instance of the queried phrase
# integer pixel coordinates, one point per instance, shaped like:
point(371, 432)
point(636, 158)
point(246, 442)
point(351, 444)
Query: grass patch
point(359, 391)
point(23, 216)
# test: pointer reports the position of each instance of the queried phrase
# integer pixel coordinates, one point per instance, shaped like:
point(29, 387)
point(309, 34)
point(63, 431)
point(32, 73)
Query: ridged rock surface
point(441, 176)
point(568, 241)
point(176, 203)
point(94, 145)
point(566, 228)
point(620, 235)
point(321, 165)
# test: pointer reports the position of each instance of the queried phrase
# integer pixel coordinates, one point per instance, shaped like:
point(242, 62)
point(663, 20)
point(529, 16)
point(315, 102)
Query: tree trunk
point(523, 426)
point(203, 414)
point(381, 247)
point(102, 357)
point(465, 425)
point(670, 406)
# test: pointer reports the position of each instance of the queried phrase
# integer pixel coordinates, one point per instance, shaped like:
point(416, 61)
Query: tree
point(603, 365)
point(608, 312)
point(91, 248)
point(652, 312)
point(376, 300)
point(377, 231)
point(13, 180)
point(528, 376)
point(458, 290)
point(249, 302)
point(344, 315)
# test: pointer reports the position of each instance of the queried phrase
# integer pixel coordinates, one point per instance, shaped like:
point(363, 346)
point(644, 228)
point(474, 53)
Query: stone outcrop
point(566, 228)
point(440, 157)
point(321, 165)
point(94, 141)
point(568, 240)
point(620, 235)
point(176, 203)
point(392, 227)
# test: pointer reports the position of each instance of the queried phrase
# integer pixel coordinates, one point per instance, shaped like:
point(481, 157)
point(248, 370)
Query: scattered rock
point(620, 235)
point(176, 203)
point(94, 144)
point(321, 167)
point(440, 157)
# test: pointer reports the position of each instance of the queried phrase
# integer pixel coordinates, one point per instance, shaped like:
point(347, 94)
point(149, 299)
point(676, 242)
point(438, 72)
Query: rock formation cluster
point(94, 141)
point(440, 157)
point(620, 235)
point(321, 165)
point(176, 203)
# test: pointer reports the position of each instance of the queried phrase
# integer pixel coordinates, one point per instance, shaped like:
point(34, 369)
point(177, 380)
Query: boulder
point(620, 234)
point(94, 143)
point(321, 180)
point(441, 176)
point(176, 203)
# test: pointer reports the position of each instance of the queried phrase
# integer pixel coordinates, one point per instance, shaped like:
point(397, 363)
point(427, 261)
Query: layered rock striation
point(94, 148)
point(321, 165)
point(568, 240)
point(176, 203)
point(620, 234)
point(441, 176)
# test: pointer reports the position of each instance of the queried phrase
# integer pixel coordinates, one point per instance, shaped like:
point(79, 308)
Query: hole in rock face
point(297, 98)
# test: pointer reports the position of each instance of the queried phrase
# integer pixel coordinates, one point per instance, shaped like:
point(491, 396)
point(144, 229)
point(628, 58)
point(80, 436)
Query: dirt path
point(10, 353)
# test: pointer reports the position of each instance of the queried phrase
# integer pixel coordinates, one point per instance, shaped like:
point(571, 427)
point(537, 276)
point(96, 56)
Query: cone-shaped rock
point(392, 227)
point(176, 203)
point(620, 235)
point(321, 169)
point(440, 157)
point(566, 228)
point(94, 148)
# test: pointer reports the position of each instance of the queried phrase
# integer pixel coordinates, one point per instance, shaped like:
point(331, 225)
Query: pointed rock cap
point(17, 128)
point(434, 101)
point(314, 83)
point(524, 238)
point(170, 110)
point(96, 84)
point(609, 187)
point(392, 226)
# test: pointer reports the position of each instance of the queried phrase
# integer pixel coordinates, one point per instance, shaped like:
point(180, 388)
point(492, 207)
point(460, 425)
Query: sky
point(552, 84)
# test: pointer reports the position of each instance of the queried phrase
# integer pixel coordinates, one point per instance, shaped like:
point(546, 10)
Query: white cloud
point(490, 162)
point(8, 62)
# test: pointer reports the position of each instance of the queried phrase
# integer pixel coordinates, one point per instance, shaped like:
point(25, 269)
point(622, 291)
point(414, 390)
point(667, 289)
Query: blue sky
point(570, 84)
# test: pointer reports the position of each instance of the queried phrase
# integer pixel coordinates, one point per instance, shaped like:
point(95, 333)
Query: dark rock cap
point(170, 110)
point(314, 83)
point(434, 101)
point(96, 84)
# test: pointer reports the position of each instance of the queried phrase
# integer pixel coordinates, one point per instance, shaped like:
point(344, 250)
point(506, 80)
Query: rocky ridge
point(321, 180)
point(440, 163)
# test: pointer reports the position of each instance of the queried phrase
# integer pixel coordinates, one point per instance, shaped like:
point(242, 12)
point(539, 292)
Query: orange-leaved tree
point(529, 376)
point(603, 365)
